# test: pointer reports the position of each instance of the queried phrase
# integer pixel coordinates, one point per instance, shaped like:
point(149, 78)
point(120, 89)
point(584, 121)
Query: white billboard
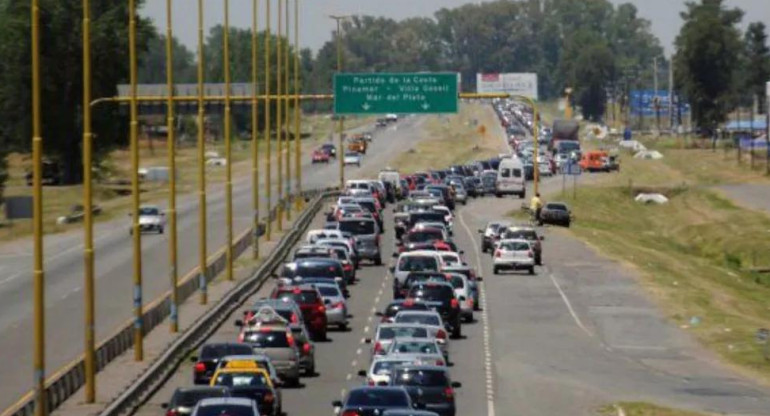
point(512, 83)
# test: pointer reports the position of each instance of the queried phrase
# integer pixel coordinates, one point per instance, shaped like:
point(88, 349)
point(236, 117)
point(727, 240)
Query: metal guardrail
point(69, 379)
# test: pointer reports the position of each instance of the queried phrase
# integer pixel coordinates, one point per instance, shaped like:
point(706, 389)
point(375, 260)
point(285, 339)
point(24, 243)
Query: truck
point(565, 138)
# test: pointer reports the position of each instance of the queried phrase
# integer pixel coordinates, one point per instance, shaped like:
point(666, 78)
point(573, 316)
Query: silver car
point(380, 370)
point(240, 406)
point(423, 350)
point(431, 320)
point(464, 294)
point(387, 332)
point(151, 218)
point(461, 195)
point(336, 306)
point(277, 342)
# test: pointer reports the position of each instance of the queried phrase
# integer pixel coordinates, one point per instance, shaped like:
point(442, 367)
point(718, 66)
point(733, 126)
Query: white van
point(510, 178)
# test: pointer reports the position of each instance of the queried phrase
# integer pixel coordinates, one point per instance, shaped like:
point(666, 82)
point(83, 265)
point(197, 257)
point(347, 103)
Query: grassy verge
point(694, 252)
point(59, 200)
point(459, 139)
point(644, 409)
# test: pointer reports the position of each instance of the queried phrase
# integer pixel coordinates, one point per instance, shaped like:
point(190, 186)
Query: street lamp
point(341, 151)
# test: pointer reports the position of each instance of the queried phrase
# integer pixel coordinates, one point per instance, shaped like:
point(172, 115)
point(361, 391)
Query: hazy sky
point(316, 28)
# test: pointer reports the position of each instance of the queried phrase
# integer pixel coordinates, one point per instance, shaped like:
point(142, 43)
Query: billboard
point(512, 83)
point(642, 103)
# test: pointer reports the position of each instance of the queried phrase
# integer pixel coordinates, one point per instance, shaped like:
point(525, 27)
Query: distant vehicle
point(565, 131)
point(352, 158)
point(358, 145)
point(210, 354)
point(320, 156)
point(50, 174)
point(392, 118)
point(594, 161)
point(510, 178)
point(556, 213)
point(330, 148)
point(514, 255)
point(184, 399)
point(430, 385)
point(373, 401)
point(151, 218)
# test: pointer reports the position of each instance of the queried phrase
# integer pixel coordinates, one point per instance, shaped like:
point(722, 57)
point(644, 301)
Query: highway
point(64, 266)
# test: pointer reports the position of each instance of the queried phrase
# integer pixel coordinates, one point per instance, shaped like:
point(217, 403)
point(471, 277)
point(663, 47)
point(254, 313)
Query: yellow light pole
point(568, 106)
point(171, 146)
point(279, 119)
point(37, 223)
point(88, 223)
point(268, 139)
point(137, 242)
point(202, 249)
point(341, 151)
point(297, 114)
point(254, 128)
point(228, 148)
point(535, 139)
point(287, 101)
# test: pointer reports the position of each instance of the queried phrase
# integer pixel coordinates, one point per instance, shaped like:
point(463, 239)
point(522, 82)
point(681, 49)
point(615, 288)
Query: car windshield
point(419, 377)
point(402, 332)
point(357, 227)
point(225, 410)
point(241, 379)
point(422, 319)
point(149, 211)
point(417, 264)
point(378, 398)
point(414, 347)
point(266, 339)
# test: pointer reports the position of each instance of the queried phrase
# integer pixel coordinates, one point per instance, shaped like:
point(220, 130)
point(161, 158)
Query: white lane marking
point(354, 363)
point(490, 387)
point(366, 331)
point(377, 299)
point(358, 352)
point(620, 410)
point(348, 377)
point(369, 319)
point(564, 297)
point(639, 347)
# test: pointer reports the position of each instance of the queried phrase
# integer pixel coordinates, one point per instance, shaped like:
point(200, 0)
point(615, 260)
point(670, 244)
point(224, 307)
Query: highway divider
point(69, 379)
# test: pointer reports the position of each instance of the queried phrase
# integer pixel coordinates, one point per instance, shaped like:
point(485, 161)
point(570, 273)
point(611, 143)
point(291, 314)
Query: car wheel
point(457, 331)
point(531, 270)
point(378, 261)
point(495, 270)
point(160, 230)
point(498, 195)
point(343, 326)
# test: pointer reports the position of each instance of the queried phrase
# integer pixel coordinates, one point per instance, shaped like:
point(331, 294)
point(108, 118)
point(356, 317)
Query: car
point(514, 255)
point(529, 234)
point(398, 305)
point(276, 341)
point(419, 234)
point(330, 148)
point(205, 363)
point(226, 406)
point(387, 332)
point(417, 349)
point(431, 320)
point(414, 261)
point(348, 266)
point(428, 215)
point(346, 243)
point(317, 267)
point(489, 233)
point(310, 302)
point(464, 295)
point(473, 186)
point(372, 205)
point(452, 258)
point(448, 216)
point(473, 280)
point(373, 400)
point(380, 369)
point(510, 178)
point(367, 235)
point(430, 385)
point(441, 296)
point(249, 381)
point(320, 156)
point(352, 158)
point(461, 194)
point(544, 168)
point(336, 305)
point(556, 213)
point(260, 360)
point(151, 218)
point(488, 182)
point(184, 399)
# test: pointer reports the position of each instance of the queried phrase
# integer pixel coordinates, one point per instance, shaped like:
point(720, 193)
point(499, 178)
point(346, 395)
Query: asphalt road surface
point(64, 266)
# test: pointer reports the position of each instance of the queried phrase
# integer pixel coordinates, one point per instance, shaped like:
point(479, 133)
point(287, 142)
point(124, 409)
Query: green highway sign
point(400, 93)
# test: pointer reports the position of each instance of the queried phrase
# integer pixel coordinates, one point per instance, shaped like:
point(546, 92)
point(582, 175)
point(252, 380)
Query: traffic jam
point(435, 292)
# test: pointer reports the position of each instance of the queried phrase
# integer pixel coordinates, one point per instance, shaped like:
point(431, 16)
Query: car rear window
point(429, 216)
point(393, 308)
point(382, 368)
point(424, 236)
point(517, 173)
point(266, 339)
point(515, 246)
point(419, 377)
point(402, 332)
point(303, 297)
point(357, 227)
point(422, 319)
point(369, 205)
point(377, 398)
point(221, 350)
point(505, 173)
point(414, 347)
point(329, 291)
point(241, 379)
point(417, 264)
point(556, 207)
point(521, 234)
point(314, 270)
point(458, 282)
point(225, 410)
point(431, 292)
point(191, 398)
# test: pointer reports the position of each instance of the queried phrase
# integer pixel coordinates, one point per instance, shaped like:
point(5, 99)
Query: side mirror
point(362, 373)
point(382, 383)
point(327, 301)
point(479, 278)
point(337, 403)
point(481, 231)
point(238, 323)
point(462, 298)
point(367, 340)
point(394, 256)
point(461, 251)
point(164, 405)
point(378, 313)
point(392, 269)
point(542, 238)
point(194, 359)
point(456, 384)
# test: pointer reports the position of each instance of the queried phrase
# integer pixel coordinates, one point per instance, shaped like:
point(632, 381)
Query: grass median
point(643, 409)
point(696, 253)
point(471, 134)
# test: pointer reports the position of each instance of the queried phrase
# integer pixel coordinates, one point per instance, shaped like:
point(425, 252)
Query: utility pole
point(341, 151)
point(671, 93)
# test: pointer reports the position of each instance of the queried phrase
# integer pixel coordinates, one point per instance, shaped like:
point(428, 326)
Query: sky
point(316, 27)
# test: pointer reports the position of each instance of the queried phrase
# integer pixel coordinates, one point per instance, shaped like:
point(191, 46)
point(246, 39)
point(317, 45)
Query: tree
point(756, 62)
point(152, 65)
point(61, 76)
point(707, 48)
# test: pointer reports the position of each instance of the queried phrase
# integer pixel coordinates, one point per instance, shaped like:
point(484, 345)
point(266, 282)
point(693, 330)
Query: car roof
point(413, 312)
point(419, 253)
point(190, 389)
point(316, 260)
point(515, 240)
point(425, 367)
point(277, 304)
point(236, 401)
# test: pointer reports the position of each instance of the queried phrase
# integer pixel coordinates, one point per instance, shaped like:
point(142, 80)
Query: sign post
point(571, 168)
point(397, 93)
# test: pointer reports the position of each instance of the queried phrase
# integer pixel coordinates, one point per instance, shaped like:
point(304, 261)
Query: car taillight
point(469, 302)
point(306, 348)
point(200, 367)
point(290, 340)
point(171, 412)
point(338, 305)
point(370, 382)
point(268, 397)
point(530, 254)
point(455, 303)
point(294, 319)
point(377, 347)
point(347, 267)
point(240, 337)
point(449, 393)
point(441, 334)
point(440, 363)
point(498, 253)
point(321, 309)
point(350, 413)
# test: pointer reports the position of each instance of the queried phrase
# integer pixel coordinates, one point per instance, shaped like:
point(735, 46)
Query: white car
point(314, 235)
point(151, 218)
point(464, 293)
point(380, 370)
point(414, 261)
point(514, 255)
point(336, 305)
point(544, 168)
point(448, 216)
point(430, 320)
point(352, 158)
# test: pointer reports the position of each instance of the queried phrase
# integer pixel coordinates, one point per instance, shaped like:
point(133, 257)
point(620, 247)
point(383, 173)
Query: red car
point(320, 156)
point(310, 303)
